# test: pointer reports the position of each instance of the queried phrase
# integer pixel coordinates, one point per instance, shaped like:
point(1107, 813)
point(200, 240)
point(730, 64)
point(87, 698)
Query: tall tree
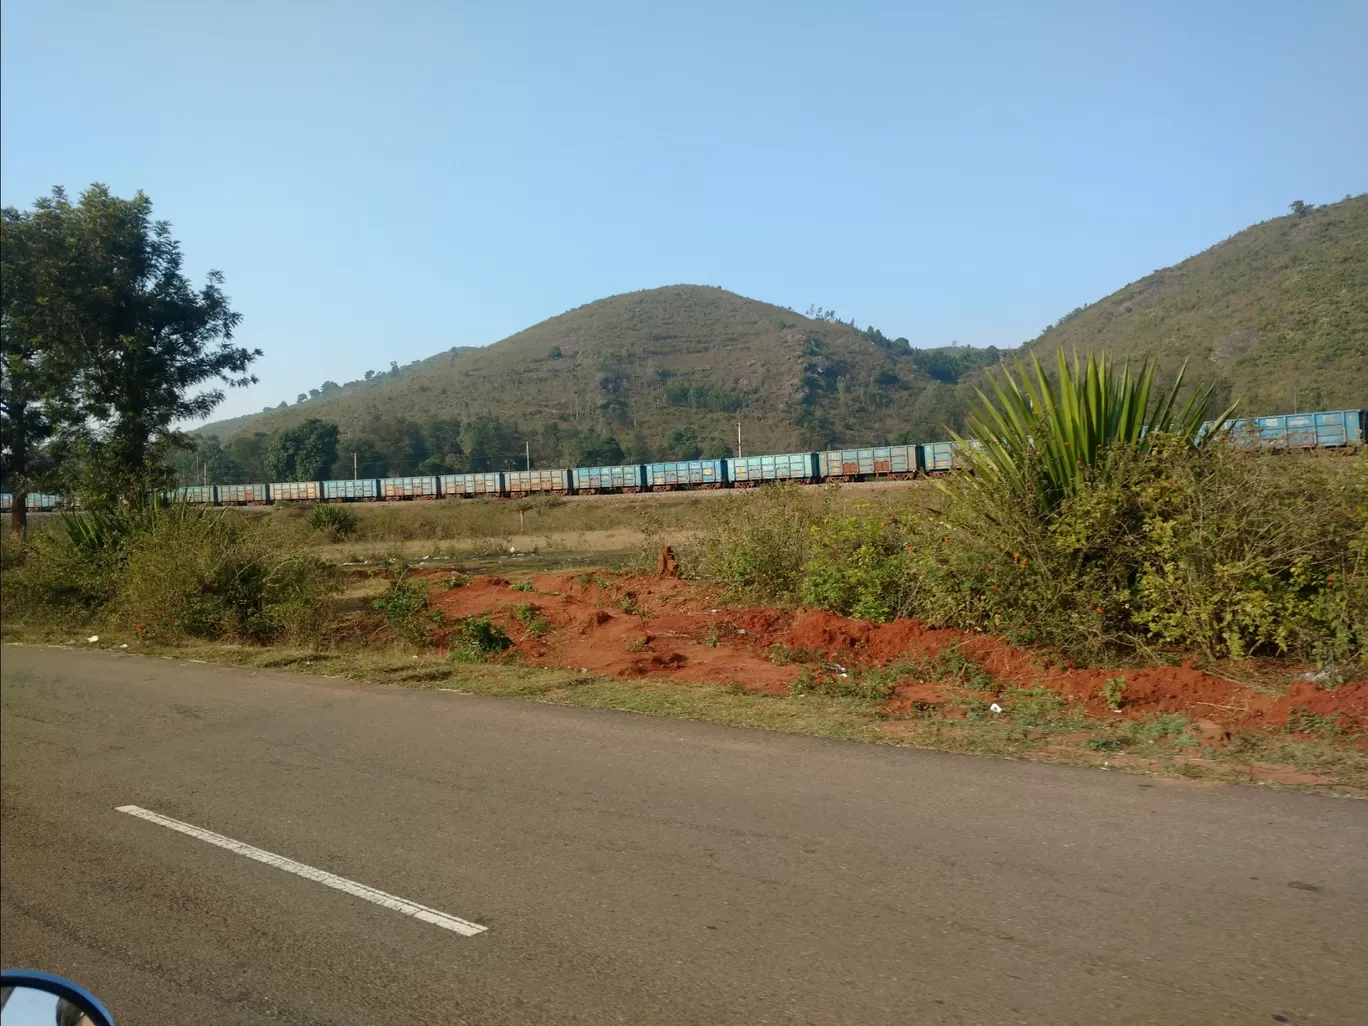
point(305, 452)
point(37, 351)
point(137, 344)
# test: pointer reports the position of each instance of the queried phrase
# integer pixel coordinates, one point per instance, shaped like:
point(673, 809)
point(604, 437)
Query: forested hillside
point(1275, 316)
point(661, 373)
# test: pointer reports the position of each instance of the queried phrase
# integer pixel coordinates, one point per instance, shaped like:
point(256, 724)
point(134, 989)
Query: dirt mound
point(661, 626)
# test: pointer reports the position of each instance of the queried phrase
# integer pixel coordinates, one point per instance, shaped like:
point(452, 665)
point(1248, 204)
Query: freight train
point(1335, 430)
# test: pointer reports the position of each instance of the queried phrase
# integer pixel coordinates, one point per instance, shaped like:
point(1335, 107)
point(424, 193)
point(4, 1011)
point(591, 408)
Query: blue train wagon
point(365, 489)
point(1330, 429)
point(195, 495)
point(942, 457)
point(749, 471)
point(665, 477)
point(627, 477)
point(397, 489)
point(34, 502)
point(244, 494)
point(296, 491)
point(895, 461)
point(537, 482)
point(461, 486)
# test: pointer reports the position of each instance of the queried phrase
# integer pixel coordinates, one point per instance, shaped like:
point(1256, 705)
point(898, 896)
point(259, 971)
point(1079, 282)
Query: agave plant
point(1045, 439)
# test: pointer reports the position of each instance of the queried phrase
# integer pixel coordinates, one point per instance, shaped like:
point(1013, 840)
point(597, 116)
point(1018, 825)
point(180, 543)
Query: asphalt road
point(634, 870)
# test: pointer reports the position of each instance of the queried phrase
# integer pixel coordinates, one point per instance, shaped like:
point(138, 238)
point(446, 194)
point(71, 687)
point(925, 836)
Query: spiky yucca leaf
point(1045, 439)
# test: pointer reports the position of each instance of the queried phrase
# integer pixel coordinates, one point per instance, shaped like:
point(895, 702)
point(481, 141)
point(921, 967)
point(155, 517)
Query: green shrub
point(332, 519)
point(477, 639)
point(757, 543)
point(170, 571)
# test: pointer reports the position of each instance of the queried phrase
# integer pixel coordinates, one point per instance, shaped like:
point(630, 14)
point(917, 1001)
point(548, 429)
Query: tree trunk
point(18, 514)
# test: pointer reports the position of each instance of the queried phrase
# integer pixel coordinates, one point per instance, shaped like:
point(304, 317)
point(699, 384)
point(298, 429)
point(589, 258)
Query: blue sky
point(379, 181)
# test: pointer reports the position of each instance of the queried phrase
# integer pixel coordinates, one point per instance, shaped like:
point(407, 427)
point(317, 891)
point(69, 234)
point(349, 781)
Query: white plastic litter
point(740, 631)
point(93, 638)
point(584, 669)
point(995, 707)
point(713, 611)
point(125, 645)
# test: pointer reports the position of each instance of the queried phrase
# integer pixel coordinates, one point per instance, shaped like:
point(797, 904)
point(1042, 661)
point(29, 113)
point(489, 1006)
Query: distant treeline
point(319, 450)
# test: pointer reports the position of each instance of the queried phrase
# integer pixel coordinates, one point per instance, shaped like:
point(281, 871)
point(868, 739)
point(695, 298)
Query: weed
point(713, 638)
point(1301, 720)
point(457, 580)
point(781, 655)
point(1106, 744)
point(528, 615)
point(1113, 693)
point(637, 644)
point(628, 604)
point(477, 639)
point(522, 586)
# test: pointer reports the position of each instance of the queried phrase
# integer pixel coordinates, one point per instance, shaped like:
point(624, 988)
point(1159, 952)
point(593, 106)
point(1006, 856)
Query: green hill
point(666, 372)
point(1274, 316)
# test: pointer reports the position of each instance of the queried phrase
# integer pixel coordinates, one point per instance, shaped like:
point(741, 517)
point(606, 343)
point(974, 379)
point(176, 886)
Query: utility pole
point(206, 473)
point(353, 466)
point(738, 439)
point(529, 454)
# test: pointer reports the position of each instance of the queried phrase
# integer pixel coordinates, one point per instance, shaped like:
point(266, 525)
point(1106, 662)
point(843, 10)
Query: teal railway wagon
point(627, 477)
point(747, 471)
point(296, 491)
point(398, 489)
point(464, 486)
point(244, 494)
point(686, 474)
point(897, 461)
point(365, 489)
point(196, 495)
point(942, 457)
point(537, 482)
point(1330, 429)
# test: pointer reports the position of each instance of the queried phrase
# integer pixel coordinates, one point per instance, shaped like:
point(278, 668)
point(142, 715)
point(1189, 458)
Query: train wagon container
point(400, 488)
point(365, 489)
point(623, 478)
point(745, 471)
point(43, 502)
point(537, 482)
point(457, 486)
point(244, 494)
point(1329, 429)
point(687, 474)
point(296, 491)
point(942, 457)
point(878, 461)
point(196, 495)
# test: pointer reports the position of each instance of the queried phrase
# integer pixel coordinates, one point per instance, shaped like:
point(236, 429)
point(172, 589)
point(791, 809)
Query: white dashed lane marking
point(389, 901)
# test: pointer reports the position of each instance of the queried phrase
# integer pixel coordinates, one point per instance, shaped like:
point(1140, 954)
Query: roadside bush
point(406, 607)
point(1175, 549)
point(478, 639)
point(757, 544)
point(171, 571)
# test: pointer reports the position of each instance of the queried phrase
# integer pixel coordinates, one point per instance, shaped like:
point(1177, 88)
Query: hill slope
point(646, 366)
point(1279, 308)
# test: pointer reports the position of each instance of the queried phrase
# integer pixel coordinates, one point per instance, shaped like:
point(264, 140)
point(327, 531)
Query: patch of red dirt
point(661, 626)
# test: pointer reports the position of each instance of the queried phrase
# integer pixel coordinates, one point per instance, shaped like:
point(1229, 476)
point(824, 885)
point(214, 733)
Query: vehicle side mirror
point(31, 998)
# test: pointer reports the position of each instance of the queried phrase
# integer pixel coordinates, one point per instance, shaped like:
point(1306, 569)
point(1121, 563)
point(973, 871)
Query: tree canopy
point(106, 346)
